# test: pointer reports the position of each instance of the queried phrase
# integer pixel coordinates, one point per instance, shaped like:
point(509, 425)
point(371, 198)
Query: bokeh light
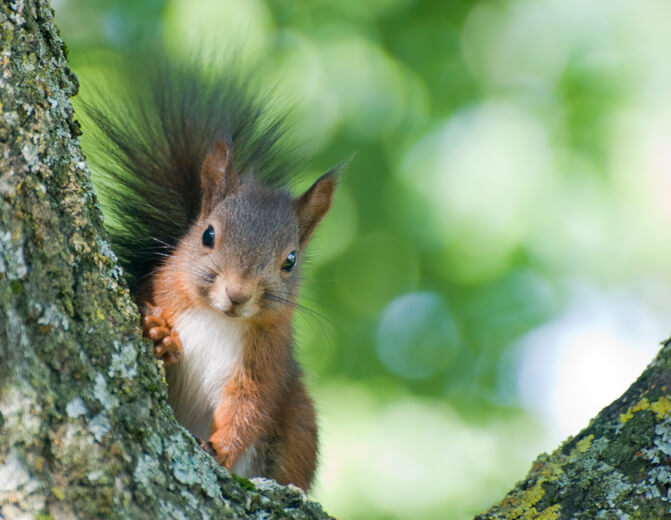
point(417, 336)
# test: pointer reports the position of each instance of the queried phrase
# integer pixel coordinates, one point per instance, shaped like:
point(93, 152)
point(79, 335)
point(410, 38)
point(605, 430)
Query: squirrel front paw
point(221, 448)
point(167, 346)
point(207, 447)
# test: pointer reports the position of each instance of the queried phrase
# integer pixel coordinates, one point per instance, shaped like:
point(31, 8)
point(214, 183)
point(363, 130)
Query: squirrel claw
point(207, 447)
point(156, 334)
point(167, 346)
point(169, 349)
point(149, 321)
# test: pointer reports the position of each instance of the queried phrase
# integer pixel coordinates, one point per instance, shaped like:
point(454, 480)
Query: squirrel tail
point(149, 129)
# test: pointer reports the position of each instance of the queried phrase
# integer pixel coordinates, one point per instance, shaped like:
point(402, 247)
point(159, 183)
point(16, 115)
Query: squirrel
point(194, 184)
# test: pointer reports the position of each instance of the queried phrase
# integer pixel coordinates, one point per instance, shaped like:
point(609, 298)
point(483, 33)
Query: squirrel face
point(245, 254)
point(242, 257)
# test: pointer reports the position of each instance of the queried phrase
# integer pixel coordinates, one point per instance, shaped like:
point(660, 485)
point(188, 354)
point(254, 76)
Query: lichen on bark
point(619, 467)
point(86, 431)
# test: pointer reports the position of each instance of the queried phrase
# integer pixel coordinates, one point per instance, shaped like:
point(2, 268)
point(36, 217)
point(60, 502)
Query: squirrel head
point(243, 255)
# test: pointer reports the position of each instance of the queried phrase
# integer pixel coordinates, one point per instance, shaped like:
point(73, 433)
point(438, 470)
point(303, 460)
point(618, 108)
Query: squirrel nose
point(238, 295)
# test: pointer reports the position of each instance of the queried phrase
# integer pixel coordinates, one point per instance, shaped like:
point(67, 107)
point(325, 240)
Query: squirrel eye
point(208, 237)
point(289, 262)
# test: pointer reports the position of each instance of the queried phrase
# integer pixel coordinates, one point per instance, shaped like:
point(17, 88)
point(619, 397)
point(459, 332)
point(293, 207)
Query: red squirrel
point(194, 178)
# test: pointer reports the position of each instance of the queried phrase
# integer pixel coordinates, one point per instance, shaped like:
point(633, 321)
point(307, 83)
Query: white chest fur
point(212, 347)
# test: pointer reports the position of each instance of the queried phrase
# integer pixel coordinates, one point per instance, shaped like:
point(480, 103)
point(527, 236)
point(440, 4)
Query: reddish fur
point(252, 396)
point(295, 459)
point(180, 187)
point(264, 403)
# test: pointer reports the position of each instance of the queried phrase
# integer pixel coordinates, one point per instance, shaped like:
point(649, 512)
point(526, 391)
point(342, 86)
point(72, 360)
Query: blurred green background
point(495, 267)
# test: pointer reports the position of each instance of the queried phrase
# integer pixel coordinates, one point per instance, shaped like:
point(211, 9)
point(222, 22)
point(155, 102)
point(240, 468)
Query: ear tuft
point(217, 176)
point(315, 203)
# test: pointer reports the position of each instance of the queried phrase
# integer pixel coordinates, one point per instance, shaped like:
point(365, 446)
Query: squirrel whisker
point(194, 171)
point(295, 305)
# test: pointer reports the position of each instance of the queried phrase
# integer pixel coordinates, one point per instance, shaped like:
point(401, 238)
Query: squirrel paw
point(167, 346)
point(219, 447)
point(207, 447)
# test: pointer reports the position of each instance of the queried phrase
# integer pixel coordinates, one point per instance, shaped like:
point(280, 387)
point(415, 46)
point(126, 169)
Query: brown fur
point(264, 402)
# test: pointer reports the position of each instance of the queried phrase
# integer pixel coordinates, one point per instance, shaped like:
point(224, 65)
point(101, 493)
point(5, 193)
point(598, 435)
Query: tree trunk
point(619, 467)
point(85, 429)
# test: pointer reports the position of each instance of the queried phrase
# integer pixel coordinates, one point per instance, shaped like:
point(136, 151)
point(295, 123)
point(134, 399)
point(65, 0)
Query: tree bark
point(85, 429)
point(619, 467)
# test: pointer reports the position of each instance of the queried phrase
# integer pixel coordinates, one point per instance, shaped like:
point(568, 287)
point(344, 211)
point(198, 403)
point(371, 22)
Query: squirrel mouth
point(237, 313)
point(227, 310)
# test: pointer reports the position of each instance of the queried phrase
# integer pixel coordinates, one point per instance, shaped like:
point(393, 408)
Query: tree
point(85, 427)
point(618, 467)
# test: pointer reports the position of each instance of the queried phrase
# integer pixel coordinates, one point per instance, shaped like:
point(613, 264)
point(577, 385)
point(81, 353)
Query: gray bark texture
point(618, 468)
point(85, 429)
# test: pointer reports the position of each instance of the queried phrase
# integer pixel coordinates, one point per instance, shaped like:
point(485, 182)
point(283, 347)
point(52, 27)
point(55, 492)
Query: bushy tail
point(149, 128)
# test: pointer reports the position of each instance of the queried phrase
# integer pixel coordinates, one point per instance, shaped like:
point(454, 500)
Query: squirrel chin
point(235, 315)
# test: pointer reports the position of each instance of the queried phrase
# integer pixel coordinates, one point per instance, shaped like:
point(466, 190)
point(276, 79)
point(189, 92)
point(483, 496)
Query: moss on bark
point(86, 431)
point(619, 467)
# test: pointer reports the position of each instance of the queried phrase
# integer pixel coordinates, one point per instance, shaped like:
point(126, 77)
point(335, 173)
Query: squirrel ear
point(217, 176)
point(314, 203)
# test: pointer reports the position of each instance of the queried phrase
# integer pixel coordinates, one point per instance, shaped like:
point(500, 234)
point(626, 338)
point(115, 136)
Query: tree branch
point(618, 467)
